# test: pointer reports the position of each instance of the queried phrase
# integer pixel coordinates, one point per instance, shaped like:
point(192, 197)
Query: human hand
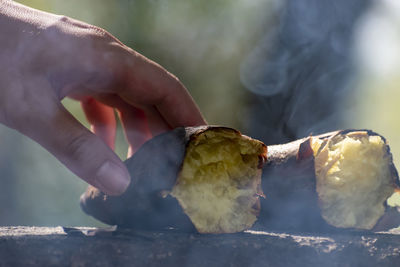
point(45, 58)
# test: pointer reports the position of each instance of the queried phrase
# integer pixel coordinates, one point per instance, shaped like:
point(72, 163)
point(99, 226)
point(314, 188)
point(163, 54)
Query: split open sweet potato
point(209, 179)
point(343, 179)
point(203, 177)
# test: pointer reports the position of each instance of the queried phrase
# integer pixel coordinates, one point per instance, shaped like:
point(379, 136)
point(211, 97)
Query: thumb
point(84, 153)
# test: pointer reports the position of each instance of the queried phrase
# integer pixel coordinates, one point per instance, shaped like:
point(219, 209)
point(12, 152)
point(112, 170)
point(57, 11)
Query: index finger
point(147, 83)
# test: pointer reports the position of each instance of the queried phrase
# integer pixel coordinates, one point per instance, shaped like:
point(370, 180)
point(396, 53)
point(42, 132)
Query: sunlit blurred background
point(205, 44)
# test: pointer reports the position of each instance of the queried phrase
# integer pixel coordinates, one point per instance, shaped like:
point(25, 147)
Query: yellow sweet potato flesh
point(353, 180)
point(219, 183)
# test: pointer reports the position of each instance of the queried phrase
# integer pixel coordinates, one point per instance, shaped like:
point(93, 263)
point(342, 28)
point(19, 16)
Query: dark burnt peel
point(148, 204)
point(289, 181)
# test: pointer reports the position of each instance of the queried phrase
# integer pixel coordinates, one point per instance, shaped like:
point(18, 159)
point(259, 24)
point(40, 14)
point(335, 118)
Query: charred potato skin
point(289, 183)
point(144, 206)
point(154, 169)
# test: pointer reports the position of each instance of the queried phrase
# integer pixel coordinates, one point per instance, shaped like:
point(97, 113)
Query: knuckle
point(97, 33)
point(63, 19)
point(76, 147)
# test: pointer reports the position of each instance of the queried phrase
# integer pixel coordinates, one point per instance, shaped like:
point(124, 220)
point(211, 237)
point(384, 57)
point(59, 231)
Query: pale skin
point(46, 57)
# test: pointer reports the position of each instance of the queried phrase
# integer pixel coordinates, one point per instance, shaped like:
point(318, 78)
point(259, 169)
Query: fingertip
point(112, 179)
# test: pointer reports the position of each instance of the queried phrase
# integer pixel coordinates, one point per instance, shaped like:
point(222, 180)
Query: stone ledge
point(59, 246)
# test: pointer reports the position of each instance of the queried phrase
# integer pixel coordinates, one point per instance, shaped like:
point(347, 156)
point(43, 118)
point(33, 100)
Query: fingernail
point(112, 179)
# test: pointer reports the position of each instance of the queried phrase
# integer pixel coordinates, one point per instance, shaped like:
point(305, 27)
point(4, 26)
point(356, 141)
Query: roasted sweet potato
point(344, 179)
point(208, 178)
point(203, 177)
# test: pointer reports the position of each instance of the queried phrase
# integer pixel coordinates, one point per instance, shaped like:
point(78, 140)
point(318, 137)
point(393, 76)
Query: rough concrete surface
point(59, 246)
